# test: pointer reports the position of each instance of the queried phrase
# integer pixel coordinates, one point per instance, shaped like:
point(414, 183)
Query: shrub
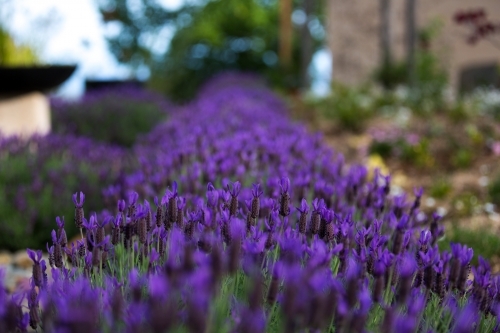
point(487, 101)
point(37, 177)
point(351, 108)
point(494, 190)
point(113, 115)
point(440, 188)
point(396, 142)
point(484, 243)
point(431, 79)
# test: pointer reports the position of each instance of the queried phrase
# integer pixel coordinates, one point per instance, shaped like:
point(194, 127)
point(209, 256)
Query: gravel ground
point(17, 267)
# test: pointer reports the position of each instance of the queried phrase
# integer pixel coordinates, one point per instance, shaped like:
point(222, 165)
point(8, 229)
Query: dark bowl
point(22, 80)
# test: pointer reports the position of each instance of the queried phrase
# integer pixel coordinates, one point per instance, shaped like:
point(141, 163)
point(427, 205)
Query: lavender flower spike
point(37, 269)
point(60, 222)
point(78, 203)
point(284, 185)
point(256, 190)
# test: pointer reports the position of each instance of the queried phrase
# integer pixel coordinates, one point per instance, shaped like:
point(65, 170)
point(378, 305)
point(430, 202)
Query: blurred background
point(189, 40)
point(407, 86)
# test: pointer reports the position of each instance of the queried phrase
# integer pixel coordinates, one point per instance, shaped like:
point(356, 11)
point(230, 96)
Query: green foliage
point(431, 79)
point(350, 107)
point(381, 148)
point(390, 75)
point(459, 111)
point(466, 204)
point(462, 158)
point(494, 190)
point(12, 54)
point(484, 243)
point(408, 147)
point(112, 116)
point(210, 37)
point(16, 172)
point(440, 188)
point(37, 180)
point(418, 154)
point(223, 35)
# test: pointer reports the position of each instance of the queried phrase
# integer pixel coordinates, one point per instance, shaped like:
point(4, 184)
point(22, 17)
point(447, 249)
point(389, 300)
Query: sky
point(70, 32)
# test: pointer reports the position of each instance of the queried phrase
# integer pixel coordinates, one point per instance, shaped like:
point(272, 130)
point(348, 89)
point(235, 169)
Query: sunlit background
point(73, 32)
point(372, 128)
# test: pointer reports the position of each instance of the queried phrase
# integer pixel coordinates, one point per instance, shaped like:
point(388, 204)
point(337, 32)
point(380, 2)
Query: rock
point(22, 260)
point(22, 283)
point(5, 258)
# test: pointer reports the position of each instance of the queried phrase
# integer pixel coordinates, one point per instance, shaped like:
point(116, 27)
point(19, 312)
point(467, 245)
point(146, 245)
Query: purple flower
point(304, 207)
point(467, 319)
point(60, 222)
point(38, 277)
point(173, 193)
point(36, 256)
point(235, 189)
point(181, 203)
point(91, 223)
point(407, 266)
point(425, 237)
point(78, 202)
point(318, 204)
point(284, 185)
point(256, 190)
point(132, 198)
point(121, 205)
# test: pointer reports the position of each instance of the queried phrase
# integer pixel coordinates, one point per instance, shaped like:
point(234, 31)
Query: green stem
point(236, 284)
point(388, 288)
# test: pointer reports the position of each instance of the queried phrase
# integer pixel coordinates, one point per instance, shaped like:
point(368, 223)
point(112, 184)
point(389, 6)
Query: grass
point(485, 243)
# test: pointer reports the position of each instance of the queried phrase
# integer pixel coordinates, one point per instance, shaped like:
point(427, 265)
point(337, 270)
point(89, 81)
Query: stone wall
point(353, 36)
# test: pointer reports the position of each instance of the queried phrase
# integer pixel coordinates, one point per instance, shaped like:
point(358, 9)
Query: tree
point(385, 33)
point(12, 54)
point(285, 33)
point(411, 36)
point(138, 26)
point(387, 73)
point(480, 27)
point(218, 35)
point(307, 43)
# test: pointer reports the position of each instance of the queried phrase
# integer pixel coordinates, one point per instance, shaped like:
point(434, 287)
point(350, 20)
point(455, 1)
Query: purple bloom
point(304, 207)
point(256, 190)
point(466, 320)
point(425, 237)
point(60, 222)
point(78, 202)
point(284, 185)
point(235, 189)
point(121, 205)
point(132, 198)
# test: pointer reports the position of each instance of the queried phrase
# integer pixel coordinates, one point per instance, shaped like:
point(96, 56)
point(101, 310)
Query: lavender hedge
point(114, 115)
point(311, 246)
point(38, 176)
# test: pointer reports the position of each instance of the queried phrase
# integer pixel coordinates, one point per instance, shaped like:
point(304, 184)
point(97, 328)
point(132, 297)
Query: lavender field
point(228, 217)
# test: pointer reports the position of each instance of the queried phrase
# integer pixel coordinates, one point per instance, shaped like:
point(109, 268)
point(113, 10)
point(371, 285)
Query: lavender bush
point(310, 246)
point(39, 175)
point(113, 115)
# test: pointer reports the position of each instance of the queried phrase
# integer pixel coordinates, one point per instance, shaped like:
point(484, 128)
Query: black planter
point(93, 85)
point(21, 80)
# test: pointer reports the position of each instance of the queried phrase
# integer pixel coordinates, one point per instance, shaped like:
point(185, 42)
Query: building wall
point(353, 35)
